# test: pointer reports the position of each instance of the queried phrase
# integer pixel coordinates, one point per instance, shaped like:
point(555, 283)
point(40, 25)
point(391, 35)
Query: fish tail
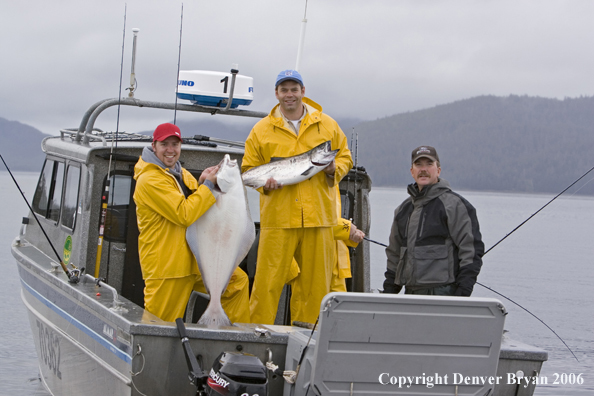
point(214, 316)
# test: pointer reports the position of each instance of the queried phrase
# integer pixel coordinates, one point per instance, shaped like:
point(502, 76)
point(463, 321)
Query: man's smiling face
point(168, 150)
point(290, 94)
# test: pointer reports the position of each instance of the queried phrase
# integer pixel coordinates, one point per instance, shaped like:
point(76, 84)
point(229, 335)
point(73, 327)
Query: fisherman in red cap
point(168, 200)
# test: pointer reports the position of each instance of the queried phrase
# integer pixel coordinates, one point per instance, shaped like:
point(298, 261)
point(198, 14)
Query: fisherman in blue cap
point(295, 220)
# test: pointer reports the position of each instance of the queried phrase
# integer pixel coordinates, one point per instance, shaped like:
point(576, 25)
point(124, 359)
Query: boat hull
point(85, 346)
point(72, 343)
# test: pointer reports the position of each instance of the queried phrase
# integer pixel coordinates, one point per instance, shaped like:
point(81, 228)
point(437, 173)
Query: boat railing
point(101, 136)
point(85, 130)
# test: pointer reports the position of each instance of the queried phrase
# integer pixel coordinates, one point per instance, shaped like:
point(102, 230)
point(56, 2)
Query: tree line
point(488, 143)
point(514, 143)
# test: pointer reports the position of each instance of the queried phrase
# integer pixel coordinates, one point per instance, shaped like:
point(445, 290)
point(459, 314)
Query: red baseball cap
point(163, 131)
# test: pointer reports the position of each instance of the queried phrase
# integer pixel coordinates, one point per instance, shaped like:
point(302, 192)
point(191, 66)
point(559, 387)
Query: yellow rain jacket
point(169, 267)
point(342, 232)
point(163, 215)
point(341, 235)
point(311, 203)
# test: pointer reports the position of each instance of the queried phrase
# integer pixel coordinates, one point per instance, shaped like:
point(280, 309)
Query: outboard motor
point(232, 373)
point(237, 374)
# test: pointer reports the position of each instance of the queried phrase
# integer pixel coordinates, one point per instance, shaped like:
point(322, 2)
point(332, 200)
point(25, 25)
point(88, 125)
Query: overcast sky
point(366, 59)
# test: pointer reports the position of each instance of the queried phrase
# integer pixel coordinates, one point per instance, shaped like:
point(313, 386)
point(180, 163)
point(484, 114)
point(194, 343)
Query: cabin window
point(118, 203)
point(48, 194)
point(71, 197)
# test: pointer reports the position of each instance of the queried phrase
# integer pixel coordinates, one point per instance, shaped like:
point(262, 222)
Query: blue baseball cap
point(288, 75)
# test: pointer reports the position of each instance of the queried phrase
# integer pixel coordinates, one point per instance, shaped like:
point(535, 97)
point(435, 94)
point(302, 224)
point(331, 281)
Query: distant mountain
point(514, 143)
point(488, 143)
point(21, 146)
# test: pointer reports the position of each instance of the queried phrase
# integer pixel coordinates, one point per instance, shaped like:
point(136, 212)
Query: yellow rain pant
point(167, 298)
point(314, 250)
point(337, 283)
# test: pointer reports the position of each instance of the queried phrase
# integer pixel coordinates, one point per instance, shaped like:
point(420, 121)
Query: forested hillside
point(514, 143)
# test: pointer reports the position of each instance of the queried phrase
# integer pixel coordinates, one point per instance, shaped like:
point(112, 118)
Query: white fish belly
point(221, 238)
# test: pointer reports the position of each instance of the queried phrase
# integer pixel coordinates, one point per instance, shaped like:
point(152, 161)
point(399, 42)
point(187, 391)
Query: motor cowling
point(237, 374)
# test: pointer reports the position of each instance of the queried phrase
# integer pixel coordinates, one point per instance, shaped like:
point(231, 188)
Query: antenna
point(181, 28)
point(302, 37)
point(132, 72)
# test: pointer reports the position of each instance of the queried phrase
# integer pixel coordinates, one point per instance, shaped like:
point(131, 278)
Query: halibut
point(221, 238)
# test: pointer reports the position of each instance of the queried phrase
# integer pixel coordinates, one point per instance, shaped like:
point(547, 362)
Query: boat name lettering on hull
point(49, 348)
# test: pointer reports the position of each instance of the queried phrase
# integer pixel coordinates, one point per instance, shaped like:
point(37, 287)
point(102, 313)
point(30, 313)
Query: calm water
point(547, 266)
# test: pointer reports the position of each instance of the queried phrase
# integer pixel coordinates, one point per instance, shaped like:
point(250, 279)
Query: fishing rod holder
point(203, 138)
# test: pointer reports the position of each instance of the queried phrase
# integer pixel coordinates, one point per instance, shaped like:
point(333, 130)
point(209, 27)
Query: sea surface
point(546, 266)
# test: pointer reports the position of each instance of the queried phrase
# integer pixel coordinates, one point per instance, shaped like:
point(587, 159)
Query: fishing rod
point(348, 184)
point(521, 224)
point(507, 298)
point(354, 267)
point(535, 213)
point(181, 28)
point(72, 276)
point(105, 195)
point(376, 242)
point(501, 240)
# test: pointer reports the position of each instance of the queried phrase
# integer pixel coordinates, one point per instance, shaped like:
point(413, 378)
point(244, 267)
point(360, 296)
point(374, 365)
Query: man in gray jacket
point(435, 243)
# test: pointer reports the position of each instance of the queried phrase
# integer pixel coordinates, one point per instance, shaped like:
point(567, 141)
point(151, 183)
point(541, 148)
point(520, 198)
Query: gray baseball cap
point(426, 152)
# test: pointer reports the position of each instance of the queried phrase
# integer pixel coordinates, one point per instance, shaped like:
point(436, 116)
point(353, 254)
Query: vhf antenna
point(301, 38)
point(132, 71)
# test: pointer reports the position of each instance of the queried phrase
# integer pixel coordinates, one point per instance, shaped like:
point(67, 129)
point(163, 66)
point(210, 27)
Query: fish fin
point(214, 316)
point(307, 171)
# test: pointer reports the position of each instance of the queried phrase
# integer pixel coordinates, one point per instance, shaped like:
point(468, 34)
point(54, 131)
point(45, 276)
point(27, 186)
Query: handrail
point(117, 304)
point(87, 124)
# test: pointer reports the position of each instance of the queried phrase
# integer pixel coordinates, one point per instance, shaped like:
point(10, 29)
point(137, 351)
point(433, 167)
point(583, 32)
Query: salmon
point(291, 170)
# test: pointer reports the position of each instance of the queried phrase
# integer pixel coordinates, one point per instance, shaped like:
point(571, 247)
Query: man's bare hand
point(356, 235)
point(330, 169)
point(209, 174)
point(271, 184)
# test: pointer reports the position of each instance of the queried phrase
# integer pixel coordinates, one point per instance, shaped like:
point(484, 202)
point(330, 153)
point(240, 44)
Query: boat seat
point(367, 344)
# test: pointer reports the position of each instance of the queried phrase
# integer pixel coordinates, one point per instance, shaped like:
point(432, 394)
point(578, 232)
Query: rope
point(289, 375)
point(133, 374)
